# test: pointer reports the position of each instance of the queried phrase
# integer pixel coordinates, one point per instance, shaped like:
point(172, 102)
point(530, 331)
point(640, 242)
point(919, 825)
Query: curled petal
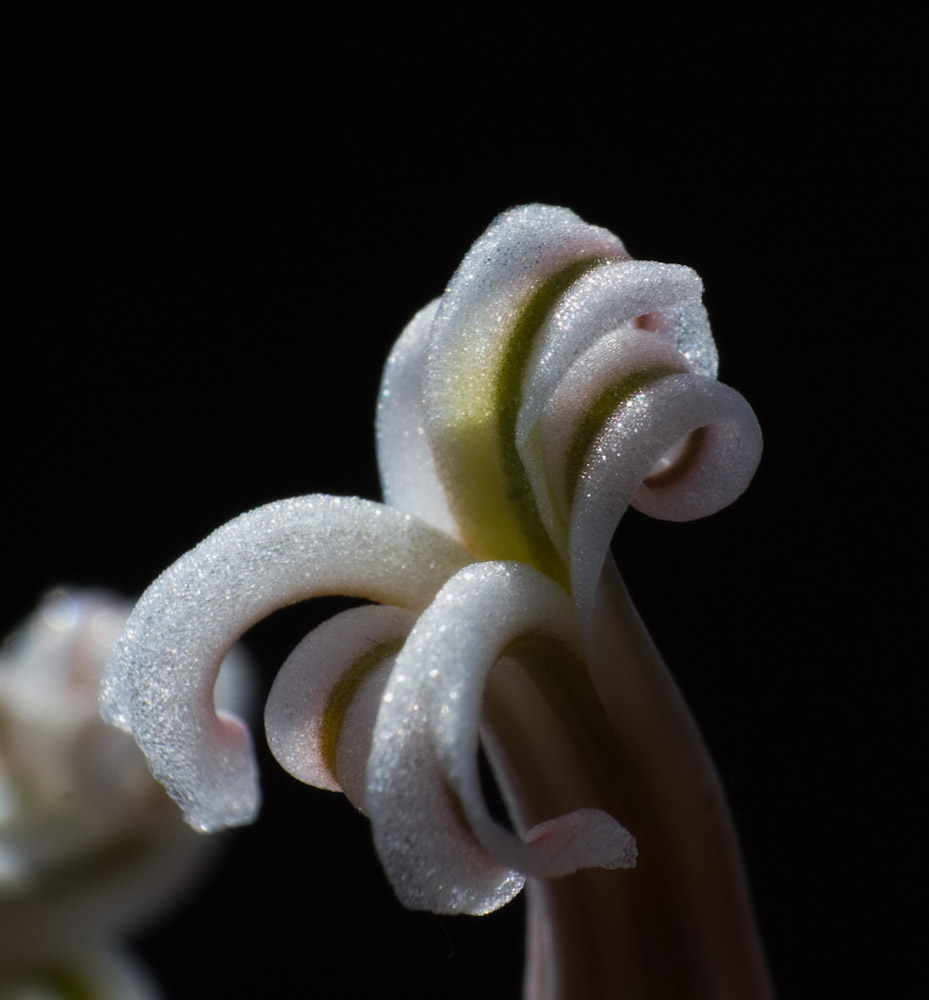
point(605, 376)
point(159, 683)
point(662, 299)
point(681, 447)
point(321, 711)
point(429, 725)
point(408, 476)
point(478, 351)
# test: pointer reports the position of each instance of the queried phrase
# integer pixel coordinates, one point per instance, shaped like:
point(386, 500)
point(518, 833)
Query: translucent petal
point(320, 713)
point(159, 683)
point(621, 466)
point(478, 348)
point(429, 725)
point(408, 476)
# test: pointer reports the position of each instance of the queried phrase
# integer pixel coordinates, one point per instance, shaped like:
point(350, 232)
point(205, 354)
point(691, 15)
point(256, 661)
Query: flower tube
point(556, 382)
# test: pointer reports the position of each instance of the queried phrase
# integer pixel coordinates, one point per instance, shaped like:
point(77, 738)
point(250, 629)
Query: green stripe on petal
point(426, 739)
point(344, 693)
point(487, 482)
point(322, 705)
point(596, 416)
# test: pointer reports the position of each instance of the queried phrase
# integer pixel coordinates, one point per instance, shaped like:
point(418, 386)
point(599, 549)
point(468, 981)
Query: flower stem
point(678, 926)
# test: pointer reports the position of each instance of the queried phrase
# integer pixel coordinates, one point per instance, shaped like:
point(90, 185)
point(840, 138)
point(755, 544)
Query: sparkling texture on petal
point(408, 475)
point(554, 383)
point(429, 723)
point(610, 371)
point(159, 683)
point(320, 713)
point(662, 299)
point(622, 466)
point(478, 348)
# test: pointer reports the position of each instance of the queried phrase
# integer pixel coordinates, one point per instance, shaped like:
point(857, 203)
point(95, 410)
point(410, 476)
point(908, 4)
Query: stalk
point(678, 926)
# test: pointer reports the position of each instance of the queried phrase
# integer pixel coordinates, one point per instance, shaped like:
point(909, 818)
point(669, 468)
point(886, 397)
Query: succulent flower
point(556, 382)
point(91, 848)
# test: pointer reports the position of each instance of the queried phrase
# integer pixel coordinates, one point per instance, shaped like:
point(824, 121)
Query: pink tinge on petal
point(519, 249)
point(661, 299)
point(568, 841)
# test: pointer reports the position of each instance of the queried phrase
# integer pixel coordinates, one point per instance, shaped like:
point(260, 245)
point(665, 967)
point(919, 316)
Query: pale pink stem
point(678, 926)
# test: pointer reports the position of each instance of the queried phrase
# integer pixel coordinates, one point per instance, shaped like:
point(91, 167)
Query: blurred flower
point(91, 848)
point(555, 382)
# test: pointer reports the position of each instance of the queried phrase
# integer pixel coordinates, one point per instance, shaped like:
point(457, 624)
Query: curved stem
point(679, 926)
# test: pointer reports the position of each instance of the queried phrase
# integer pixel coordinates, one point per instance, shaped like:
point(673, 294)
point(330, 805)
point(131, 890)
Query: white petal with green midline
point(631, 446)
point(320, 713)
point(475, 366)
point(430, 718)
point(604, 300)
point(615, 367)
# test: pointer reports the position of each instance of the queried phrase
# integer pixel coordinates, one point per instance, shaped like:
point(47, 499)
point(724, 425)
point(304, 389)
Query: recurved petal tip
point(441, 848)
point(159, 684)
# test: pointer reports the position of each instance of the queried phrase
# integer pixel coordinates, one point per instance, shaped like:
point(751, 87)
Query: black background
point(217, 234)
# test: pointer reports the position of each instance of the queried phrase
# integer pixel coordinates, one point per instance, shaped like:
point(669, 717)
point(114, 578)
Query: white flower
point(554, 383)
point(90, 846)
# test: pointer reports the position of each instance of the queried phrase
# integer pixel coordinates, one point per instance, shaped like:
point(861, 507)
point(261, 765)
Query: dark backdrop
point(216, 238)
